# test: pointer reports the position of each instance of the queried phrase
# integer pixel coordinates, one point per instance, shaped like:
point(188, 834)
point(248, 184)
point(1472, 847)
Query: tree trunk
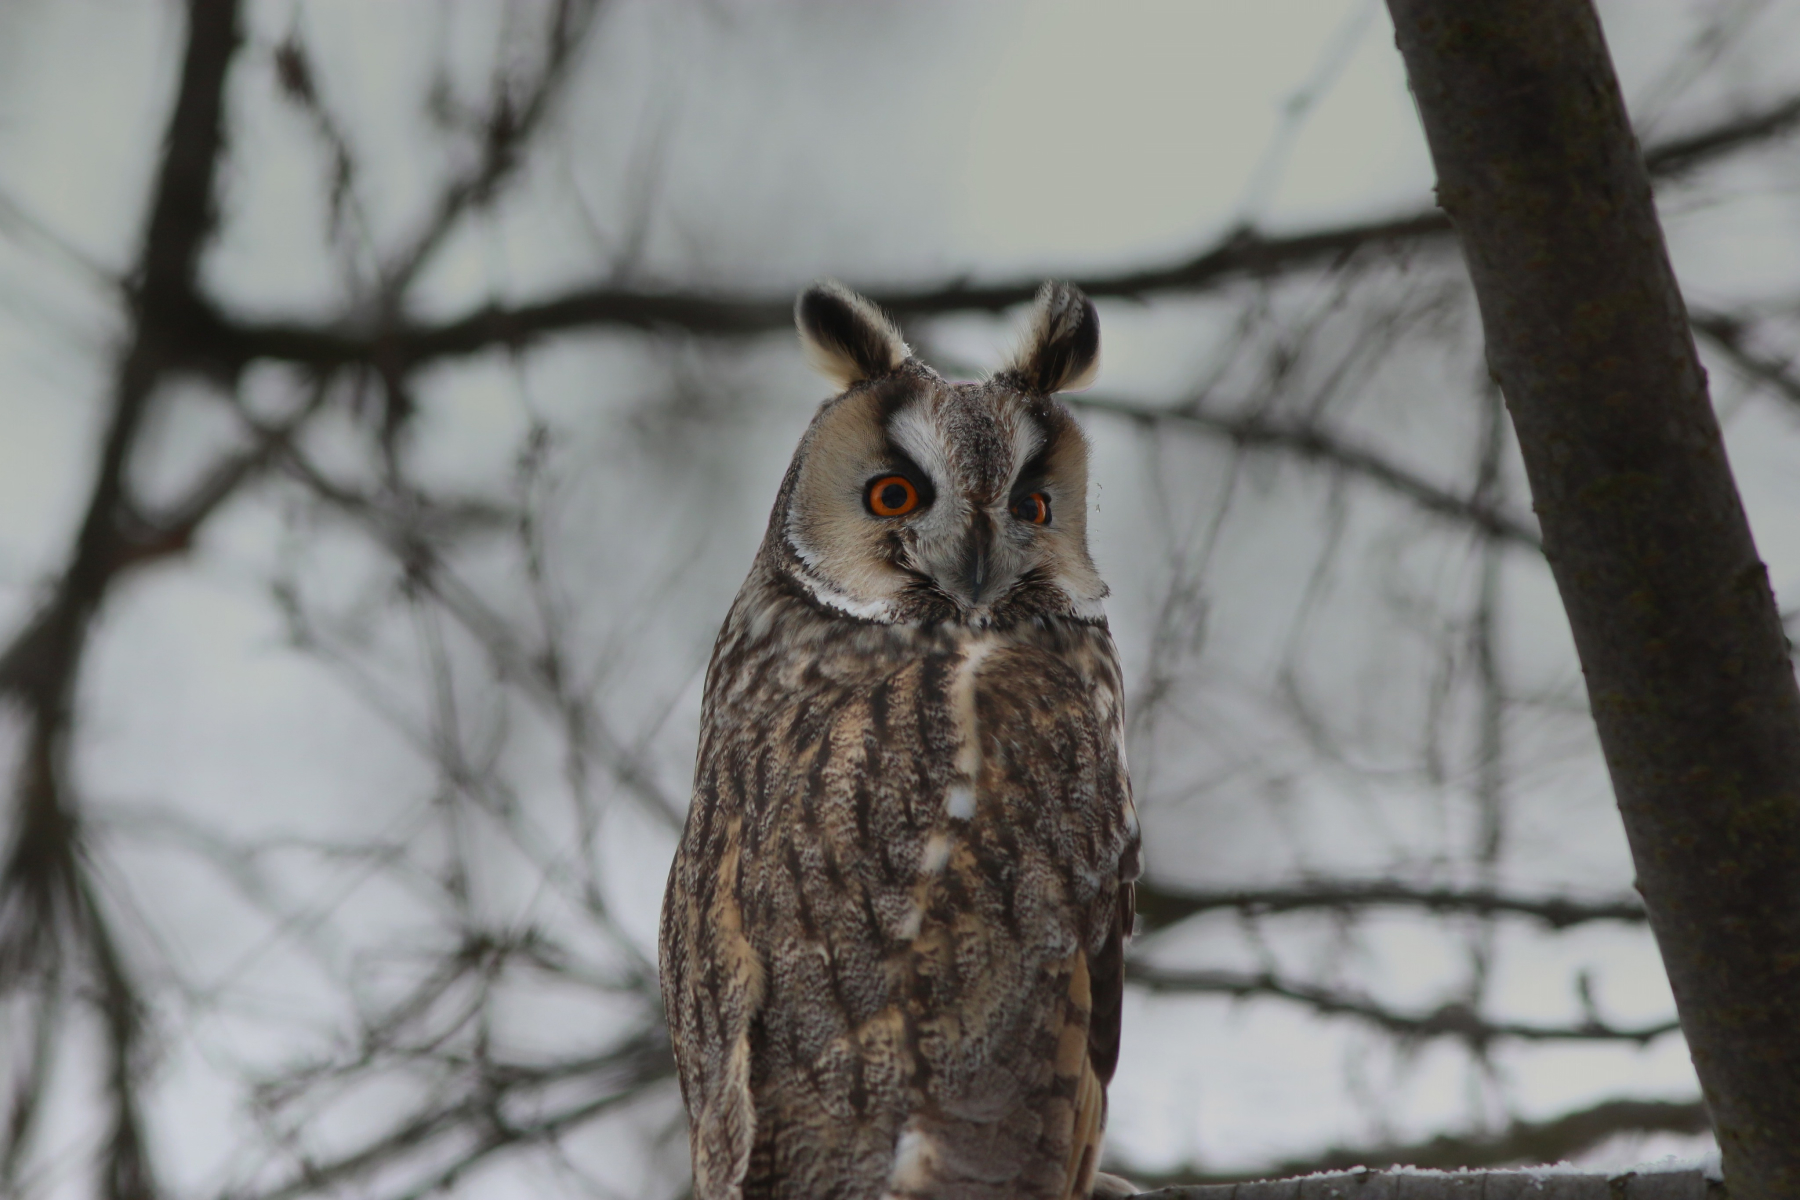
point(1687, 667)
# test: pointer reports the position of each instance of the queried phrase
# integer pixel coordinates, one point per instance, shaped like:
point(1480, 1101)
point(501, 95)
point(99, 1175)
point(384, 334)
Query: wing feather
point(714, 982)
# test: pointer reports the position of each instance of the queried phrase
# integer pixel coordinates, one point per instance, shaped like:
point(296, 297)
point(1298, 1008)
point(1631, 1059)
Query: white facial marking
point(1027, 440)
point(824, 593)
point(914, 432)
point(961, 803)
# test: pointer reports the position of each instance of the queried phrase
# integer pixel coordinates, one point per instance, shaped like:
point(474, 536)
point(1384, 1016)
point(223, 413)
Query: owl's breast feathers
point(892, 941)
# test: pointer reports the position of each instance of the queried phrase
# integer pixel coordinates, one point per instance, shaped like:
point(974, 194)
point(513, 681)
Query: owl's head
point(915, 499)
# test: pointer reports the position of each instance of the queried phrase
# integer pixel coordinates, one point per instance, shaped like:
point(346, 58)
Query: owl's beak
point(975, 567)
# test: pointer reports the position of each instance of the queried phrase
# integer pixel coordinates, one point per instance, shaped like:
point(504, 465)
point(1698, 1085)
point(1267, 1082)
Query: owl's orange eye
point(1034, 508)
point(892, 496)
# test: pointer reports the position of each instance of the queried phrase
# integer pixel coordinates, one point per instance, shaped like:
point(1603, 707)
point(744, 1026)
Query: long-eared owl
point(893, 935)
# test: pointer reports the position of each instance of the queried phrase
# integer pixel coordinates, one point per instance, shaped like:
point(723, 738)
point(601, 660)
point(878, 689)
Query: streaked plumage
point(892, 940)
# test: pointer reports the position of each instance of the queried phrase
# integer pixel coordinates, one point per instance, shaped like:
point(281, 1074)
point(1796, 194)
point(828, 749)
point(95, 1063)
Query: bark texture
point(1686, 664)
point(1466, 1185)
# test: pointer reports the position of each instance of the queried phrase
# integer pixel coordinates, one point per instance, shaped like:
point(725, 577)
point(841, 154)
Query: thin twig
point(1159, 905)
point(477, 1116)
point(49, 914)
point(1730, 336)
point(1311, 442)
point(1239, 253)
point(1451, 1020)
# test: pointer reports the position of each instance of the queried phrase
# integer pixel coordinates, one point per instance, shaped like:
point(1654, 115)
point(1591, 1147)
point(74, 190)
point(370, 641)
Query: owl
point(892, 941)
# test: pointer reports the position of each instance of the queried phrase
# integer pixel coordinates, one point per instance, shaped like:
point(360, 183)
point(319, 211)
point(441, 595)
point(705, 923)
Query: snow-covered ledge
point(1685, 1182)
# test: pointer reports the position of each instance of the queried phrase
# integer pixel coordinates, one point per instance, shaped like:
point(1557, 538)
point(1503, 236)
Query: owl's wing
point(1108, 971)
point(1105, 979)
point(713, 983)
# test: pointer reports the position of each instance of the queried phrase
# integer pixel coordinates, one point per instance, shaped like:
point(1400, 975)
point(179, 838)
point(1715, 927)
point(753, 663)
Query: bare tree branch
point(474, 1123)
point(1240, 253)
point(1679, 156)
point(403, 525)
point(49, 914)
point(1162, 905)
point(506, 129)
point(1310, 442)
point(1731, 336)
point(1451, 1020)
point(149, 537)
point(1494, 1185)
point(1555, 1140)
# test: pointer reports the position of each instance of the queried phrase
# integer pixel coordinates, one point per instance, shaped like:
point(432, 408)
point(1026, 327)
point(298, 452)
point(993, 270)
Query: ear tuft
point(1061, 350)
point(845, 337)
